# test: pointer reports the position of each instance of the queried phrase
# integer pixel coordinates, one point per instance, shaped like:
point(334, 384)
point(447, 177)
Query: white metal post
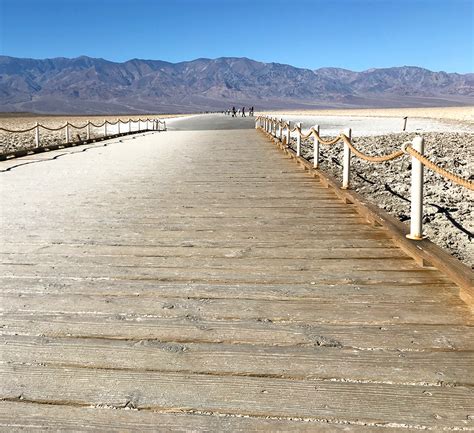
point(416, 211)
point(274, 125)
point(129, 125)
point(316, 148)
point(280, 132)
point(37, 135)
point(67, 132)
point(298, 139)
point(164, 126)
point(118, 125)
point(105, 128)
point(288, 133)
point(88, 130)
point(346, 170)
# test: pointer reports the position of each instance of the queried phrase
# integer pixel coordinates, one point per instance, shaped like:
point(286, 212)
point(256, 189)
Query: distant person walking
point(233, 112)
point(243, 112)
point(251, 111)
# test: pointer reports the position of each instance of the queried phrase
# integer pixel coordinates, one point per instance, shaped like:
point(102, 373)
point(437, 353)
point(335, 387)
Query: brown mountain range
point(89, 85)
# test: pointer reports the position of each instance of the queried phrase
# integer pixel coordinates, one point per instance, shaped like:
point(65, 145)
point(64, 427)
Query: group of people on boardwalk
point(240, 112)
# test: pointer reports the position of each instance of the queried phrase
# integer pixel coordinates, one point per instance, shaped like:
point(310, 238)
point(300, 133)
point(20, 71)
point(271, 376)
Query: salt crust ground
point(456, 114)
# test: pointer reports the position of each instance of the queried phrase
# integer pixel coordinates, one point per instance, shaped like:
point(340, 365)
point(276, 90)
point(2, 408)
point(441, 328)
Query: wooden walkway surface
point(201, 281)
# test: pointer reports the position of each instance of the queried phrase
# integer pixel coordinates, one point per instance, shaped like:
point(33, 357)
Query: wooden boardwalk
point(201, 281)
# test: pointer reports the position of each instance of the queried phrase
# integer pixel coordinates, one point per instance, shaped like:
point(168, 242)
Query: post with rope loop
point(280, 130)
point(273, 131)
point(298, 139)
point(118, 125)
point(129, 125)
point(37, 142)
point(316, 148)
point(147, 124)
point(67, 132)
point(346, 169)
point(416, 195)
point(88, 131)
point(266, 124)
point(288, 133)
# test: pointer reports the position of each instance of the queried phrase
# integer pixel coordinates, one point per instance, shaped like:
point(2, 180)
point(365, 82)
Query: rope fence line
point(374, 159)
point(414, 148)
point(15, 131)
point(440, 170)
point(133, 125)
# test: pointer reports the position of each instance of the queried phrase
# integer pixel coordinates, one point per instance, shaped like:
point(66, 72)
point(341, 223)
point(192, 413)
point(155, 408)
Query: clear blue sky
point(353, 34)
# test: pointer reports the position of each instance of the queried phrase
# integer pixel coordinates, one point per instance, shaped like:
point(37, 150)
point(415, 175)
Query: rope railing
point(414, 148)
point(440, 170)
point(77, 127)
point(374, 159)
point(20, 130)
point(139, 125)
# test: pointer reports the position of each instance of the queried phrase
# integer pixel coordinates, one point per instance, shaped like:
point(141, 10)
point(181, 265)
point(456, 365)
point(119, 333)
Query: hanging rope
point(437, 169)
point(375, 159)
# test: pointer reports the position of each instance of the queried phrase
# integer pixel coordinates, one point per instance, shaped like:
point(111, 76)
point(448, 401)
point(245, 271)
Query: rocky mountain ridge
point(90, 85)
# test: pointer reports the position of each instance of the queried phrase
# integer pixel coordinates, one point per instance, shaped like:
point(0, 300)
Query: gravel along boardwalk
point(199, 280)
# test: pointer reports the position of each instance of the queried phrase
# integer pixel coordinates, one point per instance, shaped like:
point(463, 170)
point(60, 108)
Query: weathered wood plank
point(244, 264)
point(451, 368)
point(297, 311)
point(352, 402)
point(23, 416)
point(342, 292)
point(136, 327)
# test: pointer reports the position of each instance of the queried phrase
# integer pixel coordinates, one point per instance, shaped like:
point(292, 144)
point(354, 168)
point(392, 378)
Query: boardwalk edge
point(424, 252)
